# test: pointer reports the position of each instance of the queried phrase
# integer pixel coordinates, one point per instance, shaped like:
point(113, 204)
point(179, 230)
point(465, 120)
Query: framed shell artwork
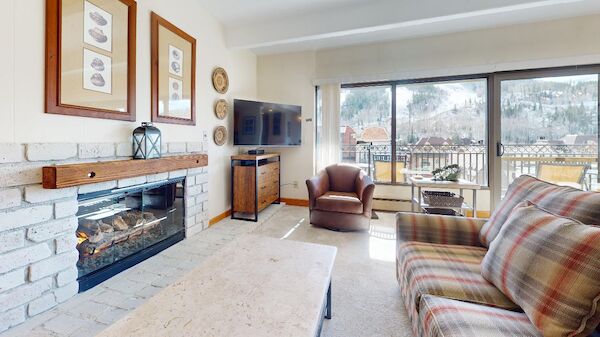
point(173, 73)
point(91, 58)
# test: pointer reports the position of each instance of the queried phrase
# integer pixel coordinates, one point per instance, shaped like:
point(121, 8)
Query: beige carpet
point(366, 298)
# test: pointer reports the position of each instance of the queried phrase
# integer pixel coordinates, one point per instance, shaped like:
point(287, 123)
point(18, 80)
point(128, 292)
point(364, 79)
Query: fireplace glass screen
point(120, 228)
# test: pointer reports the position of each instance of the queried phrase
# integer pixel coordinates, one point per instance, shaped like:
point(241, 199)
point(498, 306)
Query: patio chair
point(572, 175)
point(383, 171)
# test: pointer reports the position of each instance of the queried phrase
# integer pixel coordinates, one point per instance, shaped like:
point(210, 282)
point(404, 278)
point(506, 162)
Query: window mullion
point(393, 134)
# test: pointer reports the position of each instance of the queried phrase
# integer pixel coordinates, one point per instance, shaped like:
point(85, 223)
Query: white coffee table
point(255, 286)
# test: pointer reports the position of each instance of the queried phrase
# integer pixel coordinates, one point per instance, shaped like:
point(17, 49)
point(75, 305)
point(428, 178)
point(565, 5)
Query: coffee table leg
point(328, 309)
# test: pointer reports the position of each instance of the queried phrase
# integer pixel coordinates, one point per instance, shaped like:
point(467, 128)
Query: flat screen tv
point(266, 124)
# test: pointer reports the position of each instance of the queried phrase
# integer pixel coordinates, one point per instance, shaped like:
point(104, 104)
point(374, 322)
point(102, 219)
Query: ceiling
point(277, 26)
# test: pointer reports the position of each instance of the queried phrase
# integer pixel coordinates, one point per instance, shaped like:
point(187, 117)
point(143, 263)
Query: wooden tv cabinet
point(255, 184)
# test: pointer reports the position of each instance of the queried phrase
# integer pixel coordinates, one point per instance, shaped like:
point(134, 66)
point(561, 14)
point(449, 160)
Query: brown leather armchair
point(341, 198)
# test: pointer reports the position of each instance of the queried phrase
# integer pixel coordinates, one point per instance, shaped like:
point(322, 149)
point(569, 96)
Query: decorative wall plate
point(220, 80)
point(220, 135)
point(221, 108)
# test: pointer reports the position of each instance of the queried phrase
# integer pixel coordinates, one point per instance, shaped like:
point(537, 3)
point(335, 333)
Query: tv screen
point(266, 124)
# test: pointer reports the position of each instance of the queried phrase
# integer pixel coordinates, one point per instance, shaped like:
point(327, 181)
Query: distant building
point(543, 141)
point(348, 138)
point(434, 141)
point(375, 135)
point(347, 135)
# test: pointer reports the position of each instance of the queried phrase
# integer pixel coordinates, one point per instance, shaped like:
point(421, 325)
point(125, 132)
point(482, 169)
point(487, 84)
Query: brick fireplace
point(38, 242)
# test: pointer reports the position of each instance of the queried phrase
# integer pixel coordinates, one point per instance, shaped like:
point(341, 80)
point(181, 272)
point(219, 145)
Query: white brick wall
point(37, 194)
point(177, 147)
point(25, 216)
point(91, 188)
point(12, 175)
point(194, 147)
point(124, 149)
point(41, 304)
point(24, 294)
point(11, 240)
point(49, 151)
point(11, 153)
point(65, 243)
point(12, 279)
point(64, 209)
point(12, 318)
point(66, 276)
point(52, 229)
point(38, 253)
point(131, 182)
point(23, 257)
point(52, 265)
point(10, 198)
point(97, 150)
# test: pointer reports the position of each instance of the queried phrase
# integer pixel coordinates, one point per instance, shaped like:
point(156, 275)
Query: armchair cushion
point(342, 202)
point(342, 177)
point(317, 186)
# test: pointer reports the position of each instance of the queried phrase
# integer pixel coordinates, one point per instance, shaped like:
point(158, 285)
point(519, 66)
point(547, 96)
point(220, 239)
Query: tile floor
point(366, 296)
point(90, 312)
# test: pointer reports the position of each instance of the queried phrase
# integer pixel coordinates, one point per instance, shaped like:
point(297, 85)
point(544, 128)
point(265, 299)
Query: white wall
point(286, 77)
point(290, 80)
point(22, 117)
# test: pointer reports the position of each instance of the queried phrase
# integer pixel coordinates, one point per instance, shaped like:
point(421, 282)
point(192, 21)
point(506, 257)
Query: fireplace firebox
point(119, 228)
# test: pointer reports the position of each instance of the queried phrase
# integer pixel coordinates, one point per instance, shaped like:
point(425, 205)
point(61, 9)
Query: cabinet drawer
point(267, 189)
point(268, 179)
point(269, 169)
point(267, 199)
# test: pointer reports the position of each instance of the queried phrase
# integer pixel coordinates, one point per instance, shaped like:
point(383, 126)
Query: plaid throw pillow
point(550, 266)
point(561, 200)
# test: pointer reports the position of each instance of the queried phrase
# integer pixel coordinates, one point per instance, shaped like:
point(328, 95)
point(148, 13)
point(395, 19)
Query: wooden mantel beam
point(62, 176)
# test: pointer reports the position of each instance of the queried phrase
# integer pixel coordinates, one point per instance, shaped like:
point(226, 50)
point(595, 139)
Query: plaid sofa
point(438, 264)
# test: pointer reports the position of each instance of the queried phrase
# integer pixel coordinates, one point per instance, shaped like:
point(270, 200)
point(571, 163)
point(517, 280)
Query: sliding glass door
point(548, 128)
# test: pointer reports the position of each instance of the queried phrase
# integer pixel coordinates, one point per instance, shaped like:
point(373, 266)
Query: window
point(439, 124)
point(435, 124)
point(545, 123)
point(549, 129)
point(365, 129)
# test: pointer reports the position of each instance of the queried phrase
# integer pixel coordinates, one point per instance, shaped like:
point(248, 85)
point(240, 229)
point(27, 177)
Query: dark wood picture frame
point(156, 22)
point(53, 67)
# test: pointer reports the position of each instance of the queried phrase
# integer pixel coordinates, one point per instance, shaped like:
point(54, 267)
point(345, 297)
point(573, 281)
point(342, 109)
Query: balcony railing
point(517, 160)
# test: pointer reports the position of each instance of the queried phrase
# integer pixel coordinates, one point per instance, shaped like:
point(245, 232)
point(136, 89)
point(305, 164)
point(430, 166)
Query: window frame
point(395, 83)
point(493, 115)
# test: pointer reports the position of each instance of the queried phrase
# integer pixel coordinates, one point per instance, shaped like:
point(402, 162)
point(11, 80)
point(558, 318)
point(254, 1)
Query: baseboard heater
point(391, 204)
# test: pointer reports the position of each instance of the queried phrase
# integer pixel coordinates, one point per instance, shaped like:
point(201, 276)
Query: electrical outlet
point(295, 183)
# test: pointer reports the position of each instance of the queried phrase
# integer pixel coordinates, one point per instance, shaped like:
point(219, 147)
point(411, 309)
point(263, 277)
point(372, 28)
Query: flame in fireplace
point(81, 237)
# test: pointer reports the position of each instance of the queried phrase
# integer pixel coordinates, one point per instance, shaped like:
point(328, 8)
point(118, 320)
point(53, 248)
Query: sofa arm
point(317, 186)
point(442, 229)
point(365, 189)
